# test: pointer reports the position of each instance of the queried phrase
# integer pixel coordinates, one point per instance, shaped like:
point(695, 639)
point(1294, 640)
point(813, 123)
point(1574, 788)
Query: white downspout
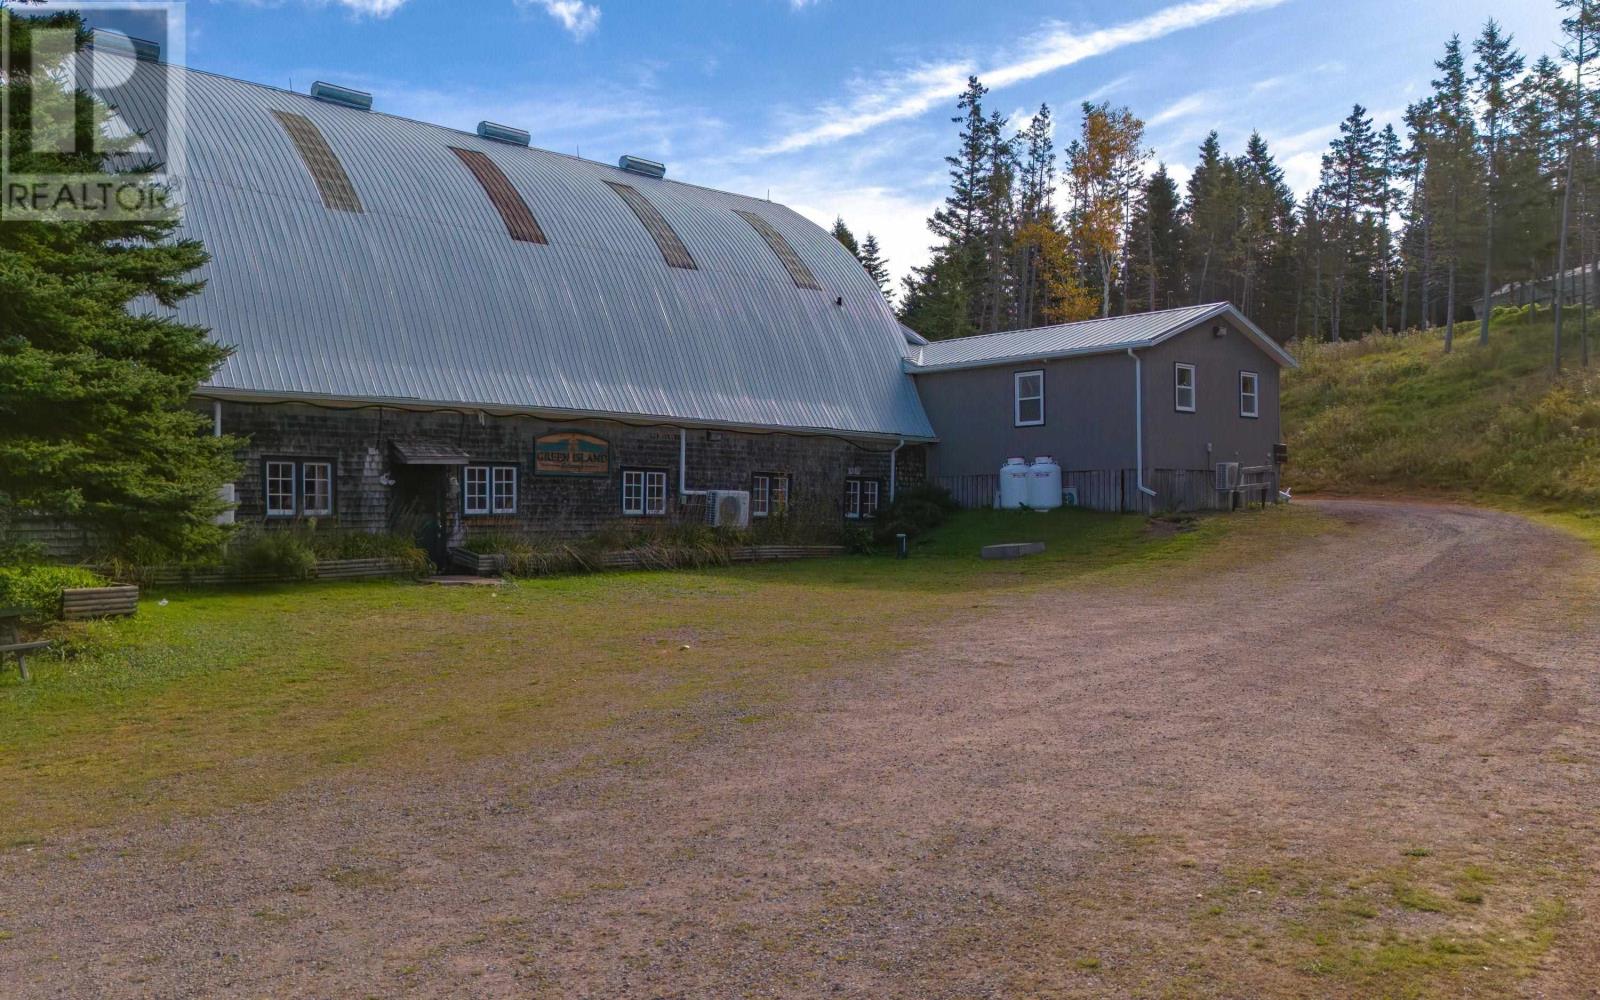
point(892, 455)
point(1138, 424)
point(216, 418)
point(683, 467)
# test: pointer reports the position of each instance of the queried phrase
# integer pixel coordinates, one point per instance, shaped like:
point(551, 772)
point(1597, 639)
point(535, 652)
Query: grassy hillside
point(1397, 414)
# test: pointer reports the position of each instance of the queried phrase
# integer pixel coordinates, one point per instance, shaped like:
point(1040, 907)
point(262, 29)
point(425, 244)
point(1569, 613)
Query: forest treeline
point(1483, 190)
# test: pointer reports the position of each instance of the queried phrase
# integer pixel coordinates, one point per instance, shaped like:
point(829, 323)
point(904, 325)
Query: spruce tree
point(96, 424)
point(1497, 68)
point(841, 232)
point(871, 257)
point(1158, 243)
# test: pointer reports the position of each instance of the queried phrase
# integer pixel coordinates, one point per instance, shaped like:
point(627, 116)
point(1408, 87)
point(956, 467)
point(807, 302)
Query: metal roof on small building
point(1094, 336)
point(416, 294)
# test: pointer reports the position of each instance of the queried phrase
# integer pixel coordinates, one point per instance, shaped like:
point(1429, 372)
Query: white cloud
point(921, 88)
point(1183, 107)
point(373, 8)
point(577, 17)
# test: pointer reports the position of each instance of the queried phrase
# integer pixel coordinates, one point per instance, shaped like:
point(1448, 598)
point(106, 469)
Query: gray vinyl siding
point(1176, 440)
point(1089, 410)
point(1088, 416)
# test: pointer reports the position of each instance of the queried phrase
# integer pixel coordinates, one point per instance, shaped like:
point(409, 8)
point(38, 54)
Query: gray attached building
point(461, 331)
point(1137, 410)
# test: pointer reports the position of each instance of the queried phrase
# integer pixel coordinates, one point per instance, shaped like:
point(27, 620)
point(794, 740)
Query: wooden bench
point(21, 650)
point(9, 643)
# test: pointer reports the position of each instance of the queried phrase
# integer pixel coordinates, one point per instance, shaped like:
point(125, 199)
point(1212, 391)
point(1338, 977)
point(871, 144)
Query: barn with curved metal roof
point(359, 256)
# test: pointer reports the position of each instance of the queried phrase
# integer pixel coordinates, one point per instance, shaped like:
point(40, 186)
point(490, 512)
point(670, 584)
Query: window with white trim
point(475, 489)
point(861, 499)
point(644, 493)
point(1028, 405)
point(489, 489)
point(280, 489)
point(769, 494)
point(1183, 387)
point(1249, 394)
point(505, 489)
point(316, 489)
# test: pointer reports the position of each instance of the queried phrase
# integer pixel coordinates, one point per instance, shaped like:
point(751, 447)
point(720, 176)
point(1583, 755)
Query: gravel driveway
point(1223, 783)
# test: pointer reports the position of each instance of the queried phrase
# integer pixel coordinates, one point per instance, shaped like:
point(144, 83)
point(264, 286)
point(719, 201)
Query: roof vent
point(141, 49)
point(504, 133)
point(639, 165)
point(335, 94)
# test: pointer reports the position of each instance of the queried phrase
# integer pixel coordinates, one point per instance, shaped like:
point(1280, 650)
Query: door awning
point(420, 451)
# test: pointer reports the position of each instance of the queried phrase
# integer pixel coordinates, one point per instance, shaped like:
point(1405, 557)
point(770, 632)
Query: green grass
point(227, 696)
point(1396, 414)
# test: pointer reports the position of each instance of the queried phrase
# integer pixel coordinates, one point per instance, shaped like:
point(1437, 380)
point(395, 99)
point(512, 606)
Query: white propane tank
point(1013, 483)
point(1044, 484)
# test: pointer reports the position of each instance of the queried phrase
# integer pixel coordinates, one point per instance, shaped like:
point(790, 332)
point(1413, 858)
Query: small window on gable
point(1249, 394)
point(1183, 388)
point(1028, 406)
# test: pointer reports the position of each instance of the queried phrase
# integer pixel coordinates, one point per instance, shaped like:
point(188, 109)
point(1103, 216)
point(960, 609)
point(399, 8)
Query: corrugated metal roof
point(425, 298)
point(1093, 336)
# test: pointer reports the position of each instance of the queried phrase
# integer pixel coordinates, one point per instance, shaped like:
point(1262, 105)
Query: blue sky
point(843, 106)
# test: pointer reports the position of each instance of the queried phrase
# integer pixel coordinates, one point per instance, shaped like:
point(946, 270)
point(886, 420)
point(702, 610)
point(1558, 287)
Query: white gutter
point(683, 467)
point(1138, 423)
point(892, 455)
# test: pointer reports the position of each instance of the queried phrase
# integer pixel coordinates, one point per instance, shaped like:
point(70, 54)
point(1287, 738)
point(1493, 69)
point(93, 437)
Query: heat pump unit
point(728, 508)
point(1069, 496)
point(1227, 475)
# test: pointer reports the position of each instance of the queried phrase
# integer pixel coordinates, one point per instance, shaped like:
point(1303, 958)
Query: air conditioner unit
point(1227, 475)
point(728, 508)
point(1069, 496)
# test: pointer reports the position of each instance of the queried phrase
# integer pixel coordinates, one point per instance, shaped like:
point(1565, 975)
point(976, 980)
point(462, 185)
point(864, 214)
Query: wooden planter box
point(490, 564)
point(493, 564)
point(99, 602)
point(327, 569)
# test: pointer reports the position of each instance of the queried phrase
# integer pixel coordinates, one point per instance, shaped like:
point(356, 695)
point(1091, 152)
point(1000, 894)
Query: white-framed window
point(644, 493)
point(316, 488)
point(1249, 394)
point(1183, 387)
point(475, 489)
point(505, 489)
point(1028, 406)
point(279, 477)
point(860, 499)
point(769, 494)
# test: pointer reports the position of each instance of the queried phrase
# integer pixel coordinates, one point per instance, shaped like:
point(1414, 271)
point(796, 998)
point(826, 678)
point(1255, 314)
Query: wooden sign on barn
point(571, 454)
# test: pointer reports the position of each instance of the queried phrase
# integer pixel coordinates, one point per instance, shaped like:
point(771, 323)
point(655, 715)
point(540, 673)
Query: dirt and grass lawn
point(1335, 750)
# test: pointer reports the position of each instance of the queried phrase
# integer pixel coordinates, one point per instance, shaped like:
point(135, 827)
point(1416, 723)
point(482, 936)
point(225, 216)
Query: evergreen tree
point(877, 268)
point(842, 233)
point(1451, 172)
point(1350, 189)
point(1497, 68)
point(1391, 171)
point(1157, 237)
point(1581, 25)
point(1261, 255)
point(1212, 210)
point(96, 423)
